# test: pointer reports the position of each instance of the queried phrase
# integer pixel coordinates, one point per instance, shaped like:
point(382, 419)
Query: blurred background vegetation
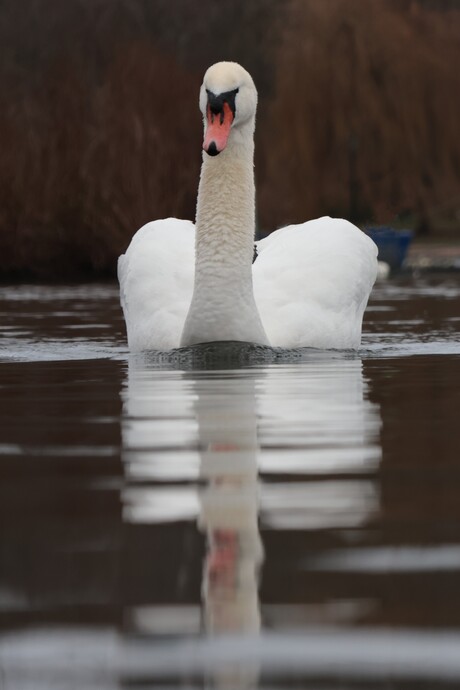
point(359, 112)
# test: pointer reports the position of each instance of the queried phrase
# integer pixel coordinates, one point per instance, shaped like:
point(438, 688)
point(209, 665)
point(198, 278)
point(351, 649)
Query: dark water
point(229, 517)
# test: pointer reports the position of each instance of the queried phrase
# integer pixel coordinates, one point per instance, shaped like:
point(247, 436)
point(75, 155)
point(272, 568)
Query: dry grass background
point(368, 104)
point(100, 129)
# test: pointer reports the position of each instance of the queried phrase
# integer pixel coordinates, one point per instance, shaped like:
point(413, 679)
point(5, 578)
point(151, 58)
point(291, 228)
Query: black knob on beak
point(216, 103)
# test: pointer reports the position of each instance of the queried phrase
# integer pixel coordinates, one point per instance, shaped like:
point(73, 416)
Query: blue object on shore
point(392, 244)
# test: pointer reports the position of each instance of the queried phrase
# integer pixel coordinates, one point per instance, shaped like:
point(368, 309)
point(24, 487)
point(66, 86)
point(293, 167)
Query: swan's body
point(308, 287)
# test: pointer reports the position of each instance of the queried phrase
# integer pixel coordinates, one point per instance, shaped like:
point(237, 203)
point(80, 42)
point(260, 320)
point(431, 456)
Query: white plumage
point(156, 283)
point(308, 287)
point(312, 282)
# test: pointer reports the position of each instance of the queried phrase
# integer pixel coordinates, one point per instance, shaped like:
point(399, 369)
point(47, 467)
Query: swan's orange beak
point(217, 129)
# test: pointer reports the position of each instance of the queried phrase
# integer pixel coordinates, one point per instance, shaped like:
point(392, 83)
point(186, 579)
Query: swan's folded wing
point(312, 282)
point(156, 283)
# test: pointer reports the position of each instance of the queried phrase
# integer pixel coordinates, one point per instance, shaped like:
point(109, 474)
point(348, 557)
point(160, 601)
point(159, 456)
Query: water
point(229, 517)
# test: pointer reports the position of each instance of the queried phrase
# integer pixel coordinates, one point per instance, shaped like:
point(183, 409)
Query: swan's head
point(228, 99)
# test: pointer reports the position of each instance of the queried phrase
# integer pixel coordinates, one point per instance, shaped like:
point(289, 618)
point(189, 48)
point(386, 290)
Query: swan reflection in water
point(228, 514)
point(220, 429)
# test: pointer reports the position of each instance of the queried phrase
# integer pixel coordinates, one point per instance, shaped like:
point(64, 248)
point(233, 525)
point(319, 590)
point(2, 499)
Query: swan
point(182, 284)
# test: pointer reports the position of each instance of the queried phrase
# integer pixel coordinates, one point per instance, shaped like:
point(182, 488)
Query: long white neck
point(223, 306)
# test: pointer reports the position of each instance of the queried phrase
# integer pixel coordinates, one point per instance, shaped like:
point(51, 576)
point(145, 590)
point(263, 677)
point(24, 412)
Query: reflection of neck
point(223, 306)
point(227, 429)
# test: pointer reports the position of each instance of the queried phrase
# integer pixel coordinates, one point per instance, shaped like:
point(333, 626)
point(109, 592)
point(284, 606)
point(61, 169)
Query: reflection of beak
point(222, 558)
point(220, 113)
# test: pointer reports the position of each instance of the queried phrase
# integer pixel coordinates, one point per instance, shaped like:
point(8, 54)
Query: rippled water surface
point(229, 516)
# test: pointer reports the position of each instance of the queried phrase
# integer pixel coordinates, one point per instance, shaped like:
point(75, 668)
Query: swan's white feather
point(156, 283)
point(312, 282)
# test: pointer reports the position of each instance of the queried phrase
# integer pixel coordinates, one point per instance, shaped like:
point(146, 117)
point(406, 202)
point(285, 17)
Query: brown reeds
point(365, 119)
point(82, 169)
point(100, 130)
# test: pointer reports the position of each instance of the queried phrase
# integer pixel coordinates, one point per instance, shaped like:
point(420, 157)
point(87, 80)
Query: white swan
point(309, 285)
